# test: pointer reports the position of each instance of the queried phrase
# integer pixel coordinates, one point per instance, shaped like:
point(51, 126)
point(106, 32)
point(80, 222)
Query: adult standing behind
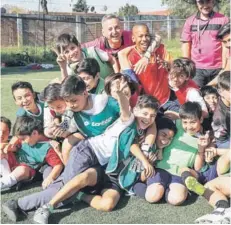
point(114, 39)
point(200, 43)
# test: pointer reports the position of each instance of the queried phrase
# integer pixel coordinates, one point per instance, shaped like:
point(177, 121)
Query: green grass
point(129, 210)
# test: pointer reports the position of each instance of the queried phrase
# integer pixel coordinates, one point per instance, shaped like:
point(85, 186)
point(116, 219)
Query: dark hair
point(114, 76)
point(6, 121)
point(224, 80)
point(25, 125)
point(206, 90)
point(185, 65)
point(64, 40)
point(51, 93)
point(190, 110)
point(73, 85)
point(165, 123)
point(89, 66)
point(224, 30)
point(23, 85)
point(147, 101)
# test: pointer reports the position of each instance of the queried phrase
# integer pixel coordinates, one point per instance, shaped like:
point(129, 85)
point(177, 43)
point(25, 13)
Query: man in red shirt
point(114, 39)
point(199, 41)
point(154, 80)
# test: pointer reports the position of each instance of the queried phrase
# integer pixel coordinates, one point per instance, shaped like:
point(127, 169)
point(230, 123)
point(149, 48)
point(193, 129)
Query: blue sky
point(66, 5)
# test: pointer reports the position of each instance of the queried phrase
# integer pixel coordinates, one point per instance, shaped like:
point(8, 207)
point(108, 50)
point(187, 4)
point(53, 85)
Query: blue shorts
point(208, 175)
point(164, 178)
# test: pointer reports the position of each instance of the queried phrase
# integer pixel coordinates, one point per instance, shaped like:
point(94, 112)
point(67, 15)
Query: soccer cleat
point(10, 208)
point(193, 185)
point(218, 216)
point(41, 215)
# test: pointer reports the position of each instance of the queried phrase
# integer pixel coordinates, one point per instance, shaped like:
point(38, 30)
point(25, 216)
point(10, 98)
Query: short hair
point(147, 101)
point(109, 17)
point(24, 85)
point(224, 80)
point(6, 121)
point(51, 93)
point(206, 90)
point(114, 76)
point(25, 125)
point(73, 85)
point(89, 66)
point(190, 110)
point(140, 25)
point(183, 65)
point(64, 40)
point(224, 30)
point(165, 123)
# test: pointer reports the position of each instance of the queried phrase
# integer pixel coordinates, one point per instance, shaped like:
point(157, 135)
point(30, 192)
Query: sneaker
point(41, 215)
point(217, 216)
point(10, 208)
point(193, 185)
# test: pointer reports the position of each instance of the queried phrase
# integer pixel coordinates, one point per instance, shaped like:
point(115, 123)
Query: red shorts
point(13, 163)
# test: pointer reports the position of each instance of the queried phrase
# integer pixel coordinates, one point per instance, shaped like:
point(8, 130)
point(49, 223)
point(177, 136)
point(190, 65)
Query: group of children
point(96, 134)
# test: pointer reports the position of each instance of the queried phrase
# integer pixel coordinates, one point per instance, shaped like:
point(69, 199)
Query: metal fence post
point(169, 28)
point(79, 29)
point(19, 31)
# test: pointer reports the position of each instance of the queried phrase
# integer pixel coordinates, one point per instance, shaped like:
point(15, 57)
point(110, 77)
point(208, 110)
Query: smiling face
point(73, 52)
point(205, 7)
point(177, 80)
point(191, 125)
point(24, 98)
point(145, 117)
point(141, 37)
point(77, 103)
point(59, 106)
point(164, 138)
point(90, 81)
point(111, 30)
point(211, 101)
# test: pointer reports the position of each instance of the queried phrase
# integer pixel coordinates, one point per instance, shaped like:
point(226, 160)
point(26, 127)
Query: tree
point(183, 9)
point(128, 10)
point(44, 6)
point(80, 6)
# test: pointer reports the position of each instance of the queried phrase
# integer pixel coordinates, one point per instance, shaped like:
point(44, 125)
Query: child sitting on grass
point(186, 150)
point(34, 150)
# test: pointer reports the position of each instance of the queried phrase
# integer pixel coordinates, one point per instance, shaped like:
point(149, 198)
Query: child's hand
point(118, 88)
point(204, 140)
point(162, 63)
point(141, 65)
point(47, 182)
point(210, 153)
point(13, 145)
point(152, 157)
point(61, 58)
point(149, 170)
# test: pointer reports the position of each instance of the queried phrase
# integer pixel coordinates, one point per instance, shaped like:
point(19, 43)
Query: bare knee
point(107, 204)
point(21, 173)
point(175, 198)
point(154, 193)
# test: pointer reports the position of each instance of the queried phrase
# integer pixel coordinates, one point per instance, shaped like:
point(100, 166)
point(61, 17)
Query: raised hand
point(61, 58)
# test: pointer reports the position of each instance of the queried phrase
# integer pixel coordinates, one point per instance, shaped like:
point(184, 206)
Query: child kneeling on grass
point(34, 150)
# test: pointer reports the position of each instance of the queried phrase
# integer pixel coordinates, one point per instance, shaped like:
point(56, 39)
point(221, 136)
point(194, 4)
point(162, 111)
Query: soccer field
point(129, 210)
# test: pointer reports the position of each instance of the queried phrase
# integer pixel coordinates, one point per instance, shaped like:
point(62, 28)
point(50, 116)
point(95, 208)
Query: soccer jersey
point(103, 145)
point(206, 50)
point(180, 153)
point(39, 115)
point(154, 79)
point(94, 122)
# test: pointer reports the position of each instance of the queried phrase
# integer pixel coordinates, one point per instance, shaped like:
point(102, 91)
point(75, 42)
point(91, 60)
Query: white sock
point(5, 168)
point(8, 181)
